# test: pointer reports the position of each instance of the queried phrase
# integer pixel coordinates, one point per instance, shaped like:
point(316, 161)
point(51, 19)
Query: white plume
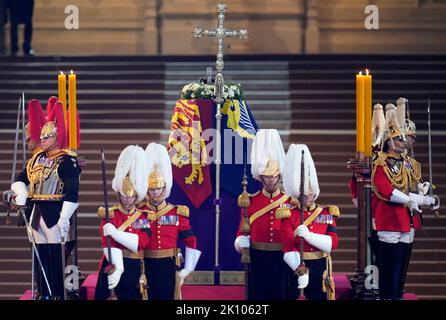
point(292, 172)
point(158, 156)
point(267, 145)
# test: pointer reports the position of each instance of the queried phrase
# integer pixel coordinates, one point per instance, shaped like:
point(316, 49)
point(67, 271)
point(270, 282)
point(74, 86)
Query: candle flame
point(61, 72)
point(72, 72)
point(367, 71)
point(360, 73)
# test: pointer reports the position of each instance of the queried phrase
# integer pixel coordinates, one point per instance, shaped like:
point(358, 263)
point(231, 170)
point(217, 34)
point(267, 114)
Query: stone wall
point(275, 26)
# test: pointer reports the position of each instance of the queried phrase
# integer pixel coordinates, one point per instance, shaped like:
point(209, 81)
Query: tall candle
point(368, 114)
point(62, 90)
point(360, 113)
point(73, 111)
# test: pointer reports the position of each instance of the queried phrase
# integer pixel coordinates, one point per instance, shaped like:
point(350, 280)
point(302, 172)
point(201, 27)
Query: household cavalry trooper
point(128, 229)
point(269, 276)
point(168, 222)
point(309, 223)
point(397, 212)
point(51, 182)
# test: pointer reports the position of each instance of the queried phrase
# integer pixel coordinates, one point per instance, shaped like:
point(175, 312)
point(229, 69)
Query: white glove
point(422, 200)
point(109, 230)
point(118, 262)
point(241, 242)
point(303, 232)
point(321, 241)
point(401, 198)
point(292, 259)
point(192, 256)
point(183, 274)
point(64, 226)
point(302, 281)
point(127, 239)
point(67, 211)
point(19, 189)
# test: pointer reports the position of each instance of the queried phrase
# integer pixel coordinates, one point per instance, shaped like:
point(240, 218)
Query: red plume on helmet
point(50, 105)
point(36, 120)
point(57, 117)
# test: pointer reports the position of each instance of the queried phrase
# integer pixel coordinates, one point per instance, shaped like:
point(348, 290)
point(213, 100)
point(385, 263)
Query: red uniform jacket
point(139, 227)
point(323, 224)
point(167, 223)
point(267, 227)
point(390, 216)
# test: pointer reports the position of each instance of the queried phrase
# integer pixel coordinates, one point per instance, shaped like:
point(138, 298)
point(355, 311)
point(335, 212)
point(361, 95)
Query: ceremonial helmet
point(55, 126)
point(267, 154)
point(378, 125)
point(292, 172)
point(159, 168)
point(407, 125)
point(130, 173)
point(393, 129)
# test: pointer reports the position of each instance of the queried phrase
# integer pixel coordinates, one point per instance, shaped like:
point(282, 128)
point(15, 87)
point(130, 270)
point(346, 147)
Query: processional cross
point(220, 33)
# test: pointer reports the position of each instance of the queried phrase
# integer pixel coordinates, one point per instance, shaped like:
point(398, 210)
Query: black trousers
point(270, 278)
point(21, 11)
point(51, 258)
point(316, 270)
point(161, 278)
point(128, 286)
point(392, 265)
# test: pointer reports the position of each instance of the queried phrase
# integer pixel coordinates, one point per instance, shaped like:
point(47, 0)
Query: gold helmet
point(393, 130)
point(130, 173)
point(159, 168)
point(292, 172)
point(272, 168)
point(267, 154)
point(156, 179)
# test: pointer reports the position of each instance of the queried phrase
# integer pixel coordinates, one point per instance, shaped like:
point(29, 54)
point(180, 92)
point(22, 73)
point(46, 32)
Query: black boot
point(56, 272)
point(396, 272)
point(42, 287)
point(382, 253)
point(406, 267)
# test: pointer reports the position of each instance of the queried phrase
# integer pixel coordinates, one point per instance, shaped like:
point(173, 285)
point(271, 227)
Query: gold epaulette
point(334, 211)
point(283, 213)
point(183, 211)
point(111, 212)
point(69, 152)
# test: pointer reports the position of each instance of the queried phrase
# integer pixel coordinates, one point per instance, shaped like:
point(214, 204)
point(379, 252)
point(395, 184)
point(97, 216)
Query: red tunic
point(267, 227)
point(167, 227)
point(390, 216)
point(323, 224)
point(139, 227)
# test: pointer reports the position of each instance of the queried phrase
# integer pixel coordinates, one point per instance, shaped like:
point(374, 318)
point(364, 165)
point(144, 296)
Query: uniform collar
point(271, 195)
point(159, 207)
point(394, 155)
point(127, 212)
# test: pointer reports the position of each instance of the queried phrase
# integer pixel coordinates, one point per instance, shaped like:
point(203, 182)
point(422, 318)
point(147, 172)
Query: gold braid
point(401, 180)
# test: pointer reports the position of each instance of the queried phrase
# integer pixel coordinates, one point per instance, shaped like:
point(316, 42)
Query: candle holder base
point(360, 291)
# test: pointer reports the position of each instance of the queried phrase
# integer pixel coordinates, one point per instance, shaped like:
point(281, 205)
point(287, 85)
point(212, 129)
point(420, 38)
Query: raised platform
point(221, 292)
